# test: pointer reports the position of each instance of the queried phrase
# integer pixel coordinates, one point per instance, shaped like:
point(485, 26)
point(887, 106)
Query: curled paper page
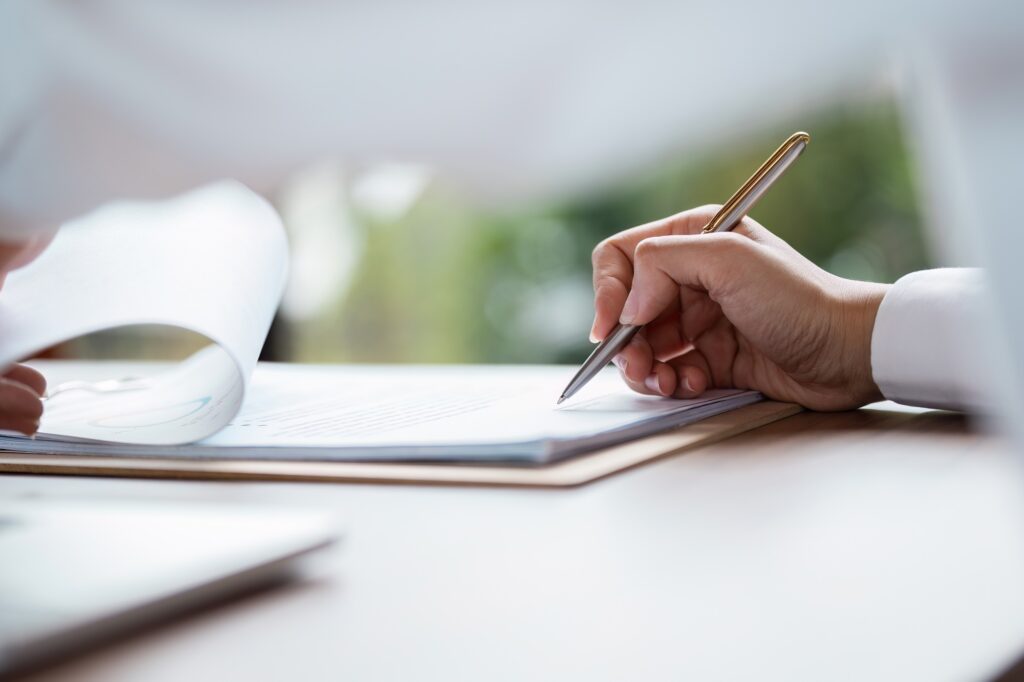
point(212, 261)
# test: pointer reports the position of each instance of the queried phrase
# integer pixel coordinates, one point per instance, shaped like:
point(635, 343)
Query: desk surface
point(878, 544)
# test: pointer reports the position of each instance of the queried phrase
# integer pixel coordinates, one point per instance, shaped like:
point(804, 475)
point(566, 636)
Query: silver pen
point(726, 219)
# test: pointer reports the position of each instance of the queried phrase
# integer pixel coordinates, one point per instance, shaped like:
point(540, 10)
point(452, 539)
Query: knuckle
point(731, 243)
point(649, 248)
point(659, 249)
point(603, 247)
point(710, 209)
point(607, 289)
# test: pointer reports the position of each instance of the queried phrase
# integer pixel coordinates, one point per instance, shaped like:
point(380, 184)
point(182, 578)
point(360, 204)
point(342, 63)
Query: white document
point(375, 412)
point(214, 262)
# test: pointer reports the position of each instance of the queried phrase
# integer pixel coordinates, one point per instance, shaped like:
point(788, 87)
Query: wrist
point(860, 305)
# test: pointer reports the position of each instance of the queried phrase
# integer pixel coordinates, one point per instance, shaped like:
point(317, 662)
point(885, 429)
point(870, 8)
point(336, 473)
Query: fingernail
point(653, 383)
point(620, 362)
point(593, 339)
point(629, 311)
point(687, 386)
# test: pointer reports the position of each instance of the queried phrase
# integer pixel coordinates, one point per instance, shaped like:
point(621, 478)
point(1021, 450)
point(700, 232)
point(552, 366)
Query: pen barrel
point(601, 356)
point(740, 203)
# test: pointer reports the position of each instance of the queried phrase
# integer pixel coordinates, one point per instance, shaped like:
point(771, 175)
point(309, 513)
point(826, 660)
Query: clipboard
point(575, 471)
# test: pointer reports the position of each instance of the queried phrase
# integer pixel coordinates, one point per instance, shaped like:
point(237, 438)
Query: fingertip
point(603, 324)
point(639, 309)
point(667, 379)
point(596, 333)
point(18, 401)
point(609, 295)
point(661, 380)
point(692, 382)
point(35, 409)
point(621, 362)
point(22, 425)
point(637, 359)
point(28, 377)
point(628, 311)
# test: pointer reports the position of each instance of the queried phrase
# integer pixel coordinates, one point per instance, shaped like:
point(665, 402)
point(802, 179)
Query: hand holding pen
point(730, 309)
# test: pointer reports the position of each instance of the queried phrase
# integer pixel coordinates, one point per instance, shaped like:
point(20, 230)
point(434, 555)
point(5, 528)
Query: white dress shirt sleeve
point(926, 347)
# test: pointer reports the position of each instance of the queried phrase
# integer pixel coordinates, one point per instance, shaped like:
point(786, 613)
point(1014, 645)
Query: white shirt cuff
point(924, 348)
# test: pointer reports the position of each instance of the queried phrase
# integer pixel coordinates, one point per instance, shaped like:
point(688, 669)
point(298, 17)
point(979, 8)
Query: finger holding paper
point(21, 405)
point(21, 387)
point(212, 262)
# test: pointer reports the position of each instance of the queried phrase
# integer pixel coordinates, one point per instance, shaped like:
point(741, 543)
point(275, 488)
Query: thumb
point(711, 262)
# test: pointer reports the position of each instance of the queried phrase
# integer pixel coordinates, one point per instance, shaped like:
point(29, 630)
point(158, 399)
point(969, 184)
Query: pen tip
point(561, 399)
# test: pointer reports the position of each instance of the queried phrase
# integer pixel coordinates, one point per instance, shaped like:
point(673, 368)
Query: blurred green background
point(447, 279)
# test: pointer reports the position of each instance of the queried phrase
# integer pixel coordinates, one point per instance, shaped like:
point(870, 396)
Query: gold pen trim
point(755, 179)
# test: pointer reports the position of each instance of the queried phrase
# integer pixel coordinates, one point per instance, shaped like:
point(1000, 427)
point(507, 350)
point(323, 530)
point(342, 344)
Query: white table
point(862, 545)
